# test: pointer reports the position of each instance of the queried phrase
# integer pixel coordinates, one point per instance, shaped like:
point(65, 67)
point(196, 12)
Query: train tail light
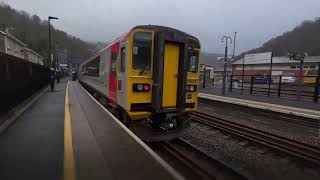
point(141, 87)
point(146, 87)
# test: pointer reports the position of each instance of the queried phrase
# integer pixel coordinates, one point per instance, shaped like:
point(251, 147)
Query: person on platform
point(52, 81)
point(58, 76)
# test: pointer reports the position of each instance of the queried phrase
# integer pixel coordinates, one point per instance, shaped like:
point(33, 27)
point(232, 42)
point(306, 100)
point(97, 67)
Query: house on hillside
point(12, 46)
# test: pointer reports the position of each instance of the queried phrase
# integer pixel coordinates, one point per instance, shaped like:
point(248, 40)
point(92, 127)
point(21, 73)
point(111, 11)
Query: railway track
point(294, 148)
point(307, 122)
point(199, 163)
point(185, 160)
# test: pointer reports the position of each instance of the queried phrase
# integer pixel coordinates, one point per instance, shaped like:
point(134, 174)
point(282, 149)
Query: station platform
point(304, 104)
point(68, 135)
point(286, 109)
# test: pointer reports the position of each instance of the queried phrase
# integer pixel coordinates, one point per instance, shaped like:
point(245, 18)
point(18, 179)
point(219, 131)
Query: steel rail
point(282, 144)
point(185, 159)
point(312, 123)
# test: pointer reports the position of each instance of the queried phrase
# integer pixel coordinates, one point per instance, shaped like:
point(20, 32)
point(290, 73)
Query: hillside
point(305, 38)
point(34, 32)
point(211, 59)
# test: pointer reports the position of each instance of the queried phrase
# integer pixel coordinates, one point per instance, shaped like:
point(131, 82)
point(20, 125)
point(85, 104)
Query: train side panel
point(113, 72)
point(104, 71)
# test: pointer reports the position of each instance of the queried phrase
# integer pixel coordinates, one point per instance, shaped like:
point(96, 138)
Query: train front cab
point(163, 76)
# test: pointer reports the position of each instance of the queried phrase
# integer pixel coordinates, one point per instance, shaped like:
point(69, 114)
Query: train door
point(113, 72)
point(122, 74)
point(106, 57)
point(170, 75)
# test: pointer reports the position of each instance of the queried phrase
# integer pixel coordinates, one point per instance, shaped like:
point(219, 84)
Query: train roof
point(151, 27)
point(163, 28)
point(103, 49)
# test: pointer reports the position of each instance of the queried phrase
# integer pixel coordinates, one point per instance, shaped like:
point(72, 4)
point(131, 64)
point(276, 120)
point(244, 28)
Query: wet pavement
point(32, 148)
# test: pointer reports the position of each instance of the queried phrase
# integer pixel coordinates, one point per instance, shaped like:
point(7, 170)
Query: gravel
point(291, 130)
point(246, 158)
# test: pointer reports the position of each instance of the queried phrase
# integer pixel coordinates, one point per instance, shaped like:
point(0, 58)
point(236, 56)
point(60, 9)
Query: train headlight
point(191, 88)
point(141, 87)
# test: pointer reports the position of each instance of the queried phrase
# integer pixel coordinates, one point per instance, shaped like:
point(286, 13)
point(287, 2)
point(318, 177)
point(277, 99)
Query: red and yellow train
point(149, 77)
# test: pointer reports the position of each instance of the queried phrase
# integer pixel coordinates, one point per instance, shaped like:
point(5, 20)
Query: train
point(149, 78)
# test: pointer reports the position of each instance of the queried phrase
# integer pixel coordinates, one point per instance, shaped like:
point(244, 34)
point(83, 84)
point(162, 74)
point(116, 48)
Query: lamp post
point(225, 63)
point(50, 47)
point(242, 79)
point(234, 43)
point(299, 56)
point(204, 76)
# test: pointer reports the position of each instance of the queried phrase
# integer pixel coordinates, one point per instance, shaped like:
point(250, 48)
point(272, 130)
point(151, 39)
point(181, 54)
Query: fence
point(276, 86)
point(305, 88)
point(19, 79)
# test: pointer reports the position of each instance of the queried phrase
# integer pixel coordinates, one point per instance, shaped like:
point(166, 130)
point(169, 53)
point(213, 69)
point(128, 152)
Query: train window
point(113, 62)
point(142, 51)
point(123, 59)
point(193, 62)
point(93, 67)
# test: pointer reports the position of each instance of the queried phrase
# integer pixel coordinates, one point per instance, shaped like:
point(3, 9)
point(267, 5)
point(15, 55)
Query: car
point(288, 78)
point(261, 79)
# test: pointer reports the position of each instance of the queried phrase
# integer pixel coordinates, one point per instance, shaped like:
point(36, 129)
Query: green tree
point(34, 32)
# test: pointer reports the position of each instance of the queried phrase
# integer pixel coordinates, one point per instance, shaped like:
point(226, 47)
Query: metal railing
point(276, 86)
point(280, 86)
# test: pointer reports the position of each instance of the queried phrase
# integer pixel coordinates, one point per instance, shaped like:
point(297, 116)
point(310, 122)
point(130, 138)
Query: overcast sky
point(256, 21)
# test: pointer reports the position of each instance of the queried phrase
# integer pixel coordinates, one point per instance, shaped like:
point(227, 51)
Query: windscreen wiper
point(142, 71)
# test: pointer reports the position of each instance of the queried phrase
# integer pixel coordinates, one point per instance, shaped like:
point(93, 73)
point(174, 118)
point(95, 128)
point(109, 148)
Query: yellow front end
point(136, 77)
point(143, 75)
point(193, 79)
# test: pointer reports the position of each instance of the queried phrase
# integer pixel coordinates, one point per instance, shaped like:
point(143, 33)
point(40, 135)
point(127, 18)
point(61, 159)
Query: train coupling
point(164, 121)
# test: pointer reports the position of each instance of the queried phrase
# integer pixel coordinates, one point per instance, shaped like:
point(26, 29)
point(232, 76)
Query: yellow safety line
point(68, 162)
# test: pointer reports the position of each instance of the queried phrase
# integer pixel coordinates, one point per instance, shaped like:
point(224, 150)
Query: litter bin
point(236, 84)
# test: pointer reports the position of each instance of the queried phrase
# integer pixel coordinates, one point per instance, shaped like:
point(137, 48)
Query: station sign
point(63, 65)
point(258, 57)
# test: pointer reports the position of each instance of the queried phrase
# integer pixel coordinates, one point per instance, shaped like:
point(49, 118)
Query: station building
point(280, 65)
point(13, 46)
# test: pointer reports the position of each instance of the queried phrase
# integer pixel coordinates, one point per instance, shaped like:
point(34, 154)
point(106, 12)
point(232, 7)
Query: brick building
point(281, 65)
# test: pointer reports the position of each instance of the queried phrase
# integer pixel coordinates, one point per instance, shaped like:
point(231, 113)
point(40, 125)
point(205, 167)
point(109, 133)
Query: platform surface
point(303, 112)
point(117, 154)
point(304, 104)
point(34, 147)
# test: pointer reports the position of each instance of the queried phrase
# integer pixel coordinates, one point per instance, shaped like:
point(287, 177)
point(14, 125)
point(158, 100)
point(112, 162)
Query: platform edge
point(164, 164)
